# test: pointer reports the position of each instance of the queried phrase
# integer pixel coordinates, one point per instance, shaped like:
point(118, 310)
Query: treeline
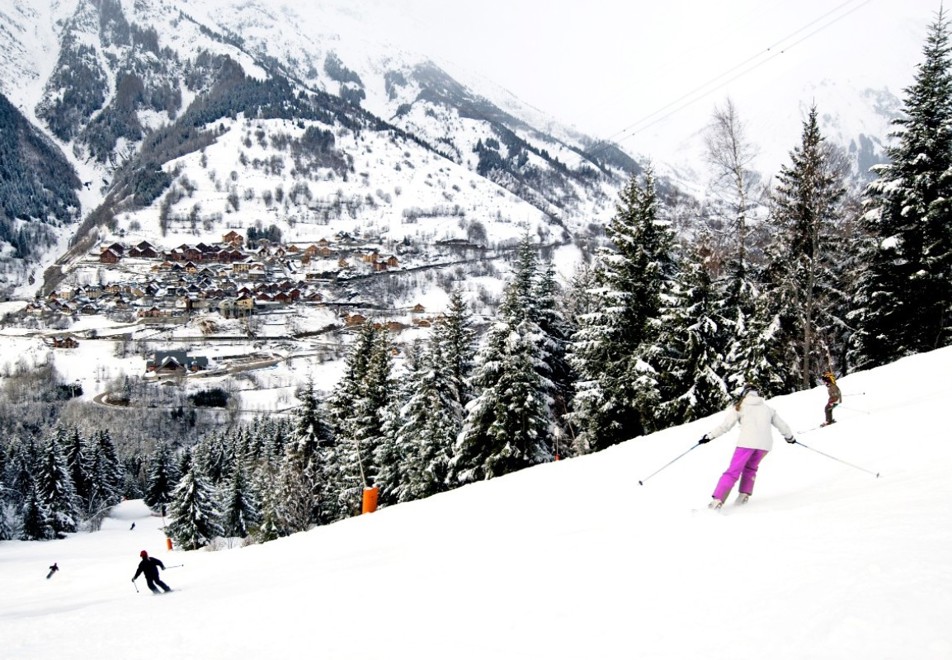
point(52, 488)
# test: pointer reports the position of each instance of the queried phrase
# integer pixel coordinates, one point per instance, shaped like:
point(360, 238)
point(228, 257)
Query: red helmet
point(143, 554)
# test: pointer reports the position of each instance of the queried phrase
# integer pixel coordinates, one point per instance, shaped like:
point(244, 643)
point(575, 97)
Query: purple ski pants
point(743, 466)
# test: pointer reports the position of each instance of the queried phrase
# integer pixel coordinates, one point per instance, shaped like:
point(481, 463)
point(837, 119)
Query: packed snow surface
point(571, 559)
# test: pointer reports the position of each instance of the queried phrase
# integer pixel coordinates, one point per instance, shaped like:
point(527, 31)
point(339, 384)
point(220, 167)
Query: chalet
point(64, 341)
point(418, 309)
point(315, 297)
point(118, 248)
point(151, 313)
point(175, 362)
point(282, 298)
point(354, 319)
point(145, 245)
point(245, 303)
point(108, 256)
point(233, 238)
point(143, 253)
point(190, 267)
point(88, 309)
point(392, 262)
point(379, 266)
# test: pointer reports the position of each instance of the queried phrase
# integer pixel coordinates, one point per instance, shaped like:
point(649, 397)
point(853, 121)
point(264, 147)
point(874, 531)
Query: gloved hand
point(791, 439)
point(703, 439)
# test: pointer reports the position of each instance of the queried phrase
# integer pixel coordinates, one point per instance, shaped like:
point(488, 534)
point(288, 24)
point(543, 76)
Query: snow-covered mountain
point(185, 120)
point(571, 559)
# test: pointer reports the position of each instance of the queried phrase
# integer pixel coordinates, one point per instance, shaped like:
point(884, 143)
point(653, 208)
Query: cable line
point(741, 69)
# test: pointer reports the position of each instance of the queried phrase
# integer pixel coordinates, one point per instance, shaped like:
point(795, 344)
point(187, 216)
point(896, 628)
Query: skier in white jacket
point(755, 440)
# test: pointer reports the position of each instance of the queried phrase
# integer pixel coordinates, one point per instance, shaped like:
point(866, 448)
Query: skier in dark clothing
point(149, 566)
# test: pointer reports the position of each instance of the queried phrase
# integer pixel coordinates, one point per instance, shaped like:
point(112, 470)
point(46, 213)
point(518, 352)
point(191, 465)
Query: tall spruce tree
point(430, 420)
point(195, 517)
point(358, 409)
point(617, 389)
point(693, 342)
point(803, 287)
point(239, 503)
point(37, 523)
point(903, 302)
point(55, 486)
point(509, 425)
point(161, 479)
point(107, 476)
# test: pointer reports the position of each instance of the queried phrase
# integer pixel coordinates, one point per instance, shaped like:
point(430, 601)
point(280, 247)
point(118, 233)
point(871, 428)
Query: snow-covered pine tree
point(358, 408)
point(107, 482)
point(36, 518)
point(903, 302)
point(9, 519)
point(161, 479)
point(266, 483)
point(557, 334)
point(454, 331)
point(20, 469)
point(195, 518)
point(616, 390)
point(313, 442)
point(430, 420)
point(694, 340)
point(509, 425)
point(55, 486)
point(803, 291)
point(239, 507)
point(79, 462)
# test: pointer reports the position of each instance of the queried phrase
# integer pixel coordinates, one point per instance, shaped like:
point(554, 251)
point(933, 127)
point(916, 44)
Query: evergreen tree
point(803, 289)
point(509, 424)
point(195, 519)
point(107, 476)
point(431, 418)
point(55, 486)
point(903, 302)
point(358, 409)
point(78, 461)
point(239, 503)
point(457, 340)
point(693, 342)
point(617, 389)
point(37, 519)
point(20, 468)
point(162, 478)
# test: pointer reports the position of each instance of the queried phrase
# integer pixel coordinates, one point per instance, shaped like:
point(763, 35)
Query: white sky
point(567, 560)
point(605, 65)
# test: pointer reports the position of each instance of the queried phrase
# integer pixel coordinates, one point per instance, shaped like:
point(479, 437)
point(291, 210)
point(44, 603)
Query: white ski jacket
point(755, 418)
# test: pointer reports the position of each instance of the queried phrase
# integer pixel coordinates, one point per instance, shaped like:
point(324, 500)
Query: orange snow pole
point(370, 500)
point(168, 543)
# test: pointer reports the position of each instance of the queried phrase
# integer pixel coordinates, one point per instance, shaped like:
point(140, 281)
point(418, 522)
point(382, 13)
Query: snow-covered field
point(568, 560)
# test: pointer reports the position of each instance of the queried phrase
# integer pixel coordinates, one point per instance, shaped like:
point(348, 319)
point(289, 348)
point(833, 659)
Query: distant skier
point(53, 569)
point(834, 397)
point(149, 566)
point(755, 440)
point(132, 527)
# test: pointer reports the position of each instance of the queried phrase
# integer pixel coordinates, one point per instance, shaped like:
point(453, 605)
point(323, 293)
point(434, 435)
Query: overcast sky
point(607, 66)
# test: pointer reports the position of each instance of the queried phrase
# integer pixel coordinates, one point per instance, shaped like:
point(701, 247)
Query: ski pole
point(135, 585)
point(175, 566)
point(641, 482)
point(839, 460)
